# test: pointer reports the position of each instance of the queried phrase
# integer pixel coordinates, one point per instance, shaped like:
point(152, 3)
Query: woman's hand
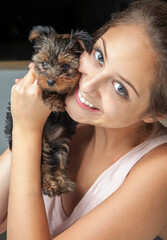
point(28, 109)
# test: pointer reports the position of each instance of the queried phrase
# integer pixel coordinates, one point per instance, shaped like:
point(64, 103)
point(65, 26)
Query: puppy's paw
point(57, 185)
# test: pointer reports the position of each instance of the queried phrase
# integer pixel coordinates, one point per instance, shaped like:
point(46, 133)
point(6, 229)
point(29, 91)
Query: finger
point(17, 80)
point(30, 77)
point(20, 81)
point(31, 65)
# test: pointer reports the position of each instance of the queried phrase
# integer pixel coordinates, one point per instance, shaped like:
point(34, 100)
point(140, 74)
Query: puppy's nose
point(51, 82)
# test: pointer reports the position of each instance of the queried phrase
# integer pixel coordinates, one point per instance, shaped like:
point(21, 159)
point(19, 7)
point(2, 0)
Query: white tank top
point(107, 183)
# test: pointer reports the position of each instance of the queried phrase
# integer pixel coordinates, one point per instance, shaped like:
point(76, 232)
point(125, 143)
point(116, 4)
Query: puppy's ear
point(38, 32)
point(85, 40)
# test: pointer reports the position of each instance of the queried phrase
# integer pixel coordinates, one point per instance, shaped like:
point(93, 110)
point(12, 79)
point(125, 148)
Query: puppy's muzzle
point(51, 82)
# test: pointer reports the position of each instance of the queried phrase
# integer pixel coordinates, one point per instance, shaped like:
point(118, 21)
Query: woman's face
point(115, 84)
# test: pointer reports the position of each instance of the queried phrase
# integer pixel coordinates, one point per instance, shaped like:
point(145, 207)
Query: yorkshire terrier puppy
point(56, 61)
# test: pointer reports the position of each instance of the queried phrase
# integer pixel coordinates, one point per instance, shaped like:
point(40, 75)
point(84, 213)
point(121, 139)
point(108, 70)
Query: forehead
point(130, 54)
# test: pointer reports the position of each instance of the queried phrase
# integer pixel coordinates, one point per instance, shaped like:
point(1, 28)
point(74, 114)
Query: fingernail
point(16, 80)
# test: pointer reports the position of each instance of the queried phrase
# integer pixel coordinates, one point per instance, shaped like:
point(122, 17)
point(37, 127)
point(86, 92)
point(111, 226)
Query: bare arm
point(5, 164)
point(25, 195)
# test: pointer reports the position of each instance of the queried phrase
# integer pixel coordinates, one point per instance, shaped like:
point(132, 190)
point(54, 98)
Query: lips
point(84, 103)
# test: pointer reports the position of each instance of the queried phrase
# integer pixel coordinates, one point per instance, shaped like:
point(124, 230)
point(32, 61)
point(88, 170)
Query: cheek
point(119, 114)
point(84, 62)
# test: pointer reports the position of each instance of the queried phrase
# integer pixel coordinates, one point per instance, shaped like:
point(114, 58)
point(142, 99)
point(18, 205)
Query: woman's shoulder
point(157, 157)
point(151, 170)
point(152, 165)
point(147, 185)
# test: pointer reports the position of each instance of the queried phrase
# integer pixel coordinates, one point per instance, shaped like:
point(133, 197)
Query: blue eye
point(99, 56)
point(121, 90)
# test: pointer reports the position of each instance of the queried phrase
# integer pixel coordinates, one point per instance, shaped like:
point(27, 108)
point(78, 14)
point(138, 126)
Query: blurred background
point(17, 19)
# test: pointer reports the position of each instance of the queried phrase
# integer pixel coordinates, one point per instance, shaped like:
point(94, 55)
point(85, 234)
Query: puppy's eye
point(44, 65)
point(65, 66)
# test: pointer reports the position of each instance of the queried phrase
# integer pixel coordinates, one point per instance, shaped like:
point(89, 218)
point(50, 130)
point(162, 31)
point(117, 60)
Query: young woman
point(118, 157)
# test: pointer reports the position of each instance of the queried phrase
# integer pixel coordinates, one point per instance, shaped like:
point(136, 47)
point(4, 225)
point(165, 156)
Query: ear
point(150, 119)
point(38, 32)
point(85, 40)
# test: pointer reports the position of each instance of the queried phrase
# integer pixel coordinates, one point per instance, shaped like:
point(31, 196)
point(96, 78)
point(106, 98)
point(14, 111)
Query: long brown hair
point(151, 15)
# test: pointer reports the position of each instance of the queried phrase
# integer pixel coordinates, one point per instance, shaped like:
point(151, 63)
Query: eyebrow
point(104, 47)
point(130, 84)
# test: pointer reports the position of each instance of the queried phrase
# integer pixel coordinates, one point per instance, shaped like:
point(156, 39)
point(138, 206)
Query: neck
point(115, 140)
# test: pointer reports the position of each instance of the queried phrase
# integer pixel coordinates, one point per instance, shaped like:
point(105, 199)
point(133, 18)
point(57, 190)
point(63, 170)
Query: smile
point(84, 103)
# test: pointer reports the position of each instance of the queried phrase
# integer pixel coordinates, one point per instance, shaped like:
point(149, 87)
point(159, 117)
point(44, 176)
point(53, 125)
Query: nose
point(51, 82)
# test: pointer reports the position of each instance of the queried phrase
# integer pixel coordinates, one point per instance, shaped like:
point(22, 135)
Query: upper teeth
point(83, 100)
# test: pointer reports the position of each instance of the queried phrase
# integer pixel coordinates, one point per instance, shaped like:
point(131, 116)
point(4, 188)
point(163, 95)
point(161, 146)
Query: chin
point(75, 115)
